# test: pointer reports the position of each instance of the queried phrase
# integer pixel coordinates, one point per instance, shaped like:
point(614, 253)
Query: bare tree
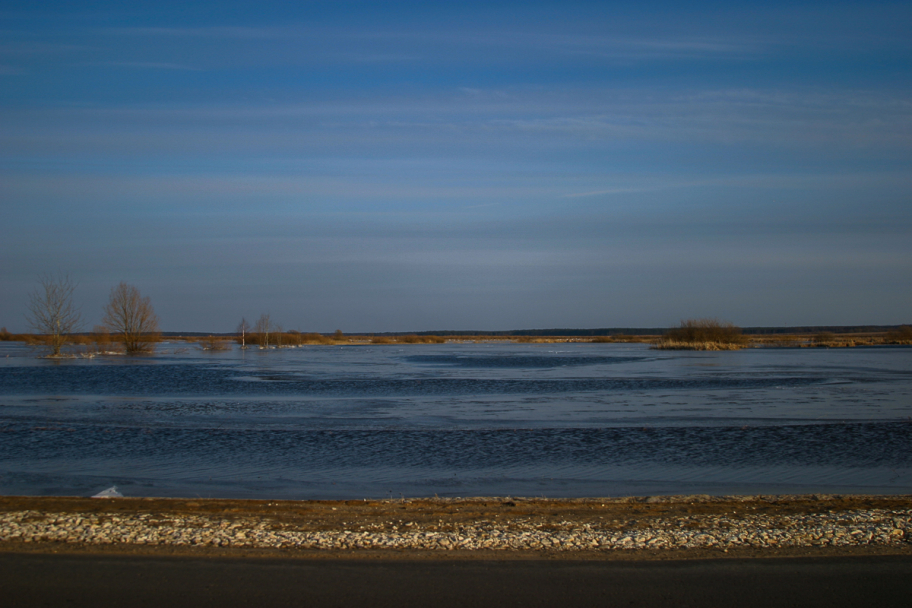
point(131, 317)
point(262, 328)
point(243, 328)
point(51, 311)
point(102, 338)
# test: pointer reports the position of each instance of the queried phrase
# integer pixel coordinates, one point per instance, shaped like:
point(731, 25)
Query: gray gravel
point(839, 529)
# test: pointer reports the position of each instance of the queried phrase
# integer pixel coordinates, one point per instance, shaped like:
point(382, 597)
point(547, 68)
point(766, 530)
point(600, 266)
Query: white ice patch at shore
point(109, 493)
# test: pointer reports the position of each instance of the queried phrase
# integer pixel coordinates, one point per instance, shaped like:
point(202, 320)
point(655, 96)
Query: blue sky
point(449, 165)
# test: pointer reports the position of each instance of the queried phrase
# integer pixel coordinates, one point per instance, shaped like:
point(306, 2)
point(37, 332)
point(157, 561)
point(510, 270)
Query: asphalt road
point(108, 580)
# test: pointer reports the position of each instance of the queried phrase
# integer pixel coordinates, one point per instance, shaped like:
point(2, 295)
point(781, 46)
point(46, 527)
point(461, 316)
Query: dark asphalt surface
point(106, 580)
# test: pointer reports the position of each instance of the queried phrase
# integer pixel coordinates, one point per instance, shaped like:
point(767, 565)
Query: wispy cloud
point(34, 47)
point(676, 46)
point(234, 32)
point(368, 58)
point(458, 45)
point(821, 182)
point(514, 124)
point(153, 65)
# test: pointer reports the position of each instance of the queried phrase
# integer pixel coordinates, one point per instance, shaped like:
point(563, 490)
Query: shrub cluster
point(705, 331)
point(314, 338)
point(213, 343)
point(414, 339)
point(407, 339)
point(602, 339)
point(6, 336)
point(824, 338)
point(901, 335)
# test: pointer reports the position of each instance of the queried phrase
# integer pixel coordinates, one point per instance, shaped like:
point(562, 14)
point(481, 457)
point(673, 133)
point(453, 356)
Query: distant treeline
point(611, 331)
point(659, 331)
point(635, 331)
point(608, 331)
point(816, 329)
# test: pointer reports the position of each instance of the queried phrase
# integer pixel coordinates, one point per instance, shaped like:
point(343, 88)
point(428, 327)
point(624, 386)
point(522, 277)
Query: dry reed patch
point(416, 339)
point(673, 345)
point(902, 335)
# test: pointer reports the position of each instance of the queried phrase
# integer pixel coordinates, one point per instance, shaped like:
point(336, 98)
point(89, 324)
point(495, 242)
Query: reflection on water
point(457, 420)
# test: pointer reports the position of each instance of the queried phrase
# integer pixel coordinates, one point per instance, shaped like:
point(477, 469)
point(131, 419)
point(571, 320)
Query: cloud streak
point(589, 117)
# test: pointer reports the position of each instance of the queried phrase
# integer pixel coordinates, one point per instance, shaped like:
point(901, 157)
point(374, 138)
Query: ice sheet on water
point(109, 493)
point(461, 418)
point(518, 361)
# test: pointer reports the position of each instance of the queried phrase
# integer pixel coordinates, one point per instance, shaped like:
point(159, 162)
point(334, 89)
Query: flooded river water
point(553, 420)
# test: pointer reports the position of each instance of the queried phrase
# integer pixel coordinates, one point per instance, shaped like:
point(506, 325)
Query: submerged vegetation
point(215, 343)
point(100, 341)
point(56, 321)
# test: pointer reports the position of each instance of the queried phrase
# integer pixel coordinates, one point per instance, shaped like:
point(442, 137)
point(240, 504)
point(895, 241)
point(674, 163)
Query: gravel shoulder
point(636, 528)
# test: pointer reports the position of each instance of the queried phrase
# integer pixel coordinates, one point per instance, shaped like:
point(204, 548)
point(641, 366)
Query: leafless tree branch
point(131, 317)
point(51, 311)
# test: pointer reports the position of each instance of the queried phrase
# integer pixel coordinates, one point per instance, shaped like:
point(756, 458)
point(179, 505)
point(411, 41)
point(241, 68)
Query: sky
point(416, 166)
